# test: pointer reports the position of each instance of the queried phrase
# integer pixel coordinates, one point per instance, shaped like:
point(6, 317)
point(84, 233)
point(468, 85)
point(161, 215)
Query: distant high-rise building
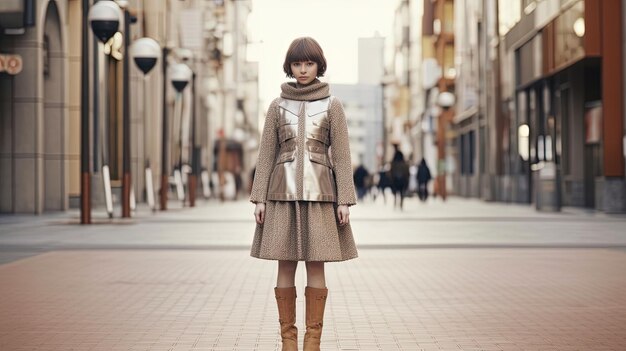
point(363, 107)
point(371, 60)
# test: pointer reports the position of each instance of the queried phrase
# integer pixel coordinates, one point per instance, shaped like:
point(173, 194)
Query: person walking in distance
point(399, 177)
point(302, 191)
point(423, 177)
point(361, 181)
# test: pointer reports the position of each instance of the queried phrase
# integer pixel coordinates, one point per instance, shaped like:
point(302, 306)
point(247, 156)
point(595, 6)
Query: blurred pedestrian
point(423, 177)
point(361, 181)
point(383, 182)
point(302, 198)
point(399, 178)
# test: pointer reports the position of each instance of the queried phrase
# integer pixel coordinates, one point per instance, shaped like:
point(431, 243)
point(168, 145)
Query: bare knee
point(315, 274)
point(315, 267)
point(286, 274)
point(287, 267)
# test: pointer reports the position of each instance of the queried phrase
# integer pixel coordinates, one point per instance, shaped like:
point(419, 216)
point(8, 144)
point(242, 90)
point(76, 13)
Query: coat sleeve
point(267, 156)
point(340, 151)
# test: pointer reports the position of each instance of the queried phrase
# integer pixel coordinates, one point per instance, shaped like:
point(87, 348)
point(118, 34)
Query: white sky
point(335, 24)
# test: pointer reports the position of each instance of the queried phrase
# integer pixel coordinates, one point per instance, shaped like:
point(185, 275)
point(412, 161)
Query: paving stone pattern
point(397, 299)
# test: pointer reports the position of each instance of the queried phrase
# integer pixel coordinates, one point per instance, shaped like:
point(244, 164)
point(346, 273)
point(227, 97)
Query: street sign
point(12, 64)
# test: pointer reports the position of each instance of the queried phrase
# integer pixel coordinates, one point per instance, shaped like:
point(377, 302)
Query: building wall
point(40, 114)
point(624, 82)
point(470, 67)
point(416, 91)
point(570, 80)
point(36, 124)
point(74, 55)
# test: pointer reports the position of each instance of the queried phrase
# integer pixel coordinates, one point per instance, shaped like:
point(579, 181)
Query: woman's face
point(304, 71)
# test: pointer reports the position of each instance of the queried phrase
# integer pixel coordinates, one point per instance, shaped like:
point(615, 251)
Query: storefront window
point(532, 124)
point(563, 141)
point(523, 131)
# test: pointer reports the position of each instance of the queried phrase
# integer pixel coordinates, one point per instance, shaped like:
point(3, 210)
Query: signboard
point(593, 124)
point(12, 64)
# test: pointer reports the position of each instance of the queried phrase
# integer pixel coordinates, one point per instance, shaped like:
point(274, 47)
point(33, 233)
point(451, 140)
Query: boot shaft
point(315, 305)
point(286, 301)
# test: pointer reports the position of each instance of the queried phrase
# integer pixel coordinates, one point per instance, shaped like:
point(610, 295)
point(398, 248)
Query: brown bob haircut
point(305, 49)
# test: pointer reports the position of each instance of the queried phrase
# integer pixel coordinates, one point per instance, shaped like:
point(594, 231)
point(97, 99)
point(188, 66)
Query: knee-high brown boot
point(315, 304)
point(286, 300)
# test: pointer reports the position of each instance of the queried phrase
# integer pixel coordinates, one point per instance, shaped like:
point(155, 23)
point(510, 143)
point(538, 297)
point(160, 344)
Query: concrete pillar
point(624, 91)
point(6, 139)
point(54, 119)
point(34, 123)
point(27, 126)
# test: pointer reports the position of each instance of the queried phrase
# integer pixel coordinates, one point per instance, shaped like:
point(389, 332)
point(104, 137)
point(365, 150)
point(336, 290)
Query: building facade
point(403, 85)
point(37, 116)
point(438, 63)
point(568, 104)
point(552, 104)
point(40, 119)
point(363, 107)
point(537, 85)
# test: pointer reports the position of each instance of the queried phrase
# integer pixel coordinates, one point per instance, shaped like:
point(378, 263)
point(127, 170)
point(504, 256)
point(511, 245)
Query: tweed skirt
point(303, 231)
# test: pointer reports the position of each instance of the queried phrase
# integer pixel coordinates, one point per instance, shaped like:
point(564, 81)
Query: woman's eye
point(309, 63)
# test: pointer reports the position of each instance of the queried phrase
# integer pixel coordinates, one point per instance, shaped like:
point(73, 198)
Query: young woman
point(302, 189)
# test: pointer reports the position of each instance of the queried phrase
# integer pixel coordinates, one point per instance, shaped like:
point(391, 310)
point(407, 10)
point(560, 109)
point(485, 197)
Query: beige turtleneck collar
point(316, 90)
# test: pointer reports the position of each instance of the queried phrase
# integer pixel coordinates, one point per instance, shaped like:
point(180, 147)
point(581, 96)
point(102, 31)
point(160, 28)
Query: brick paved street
point(458, 276)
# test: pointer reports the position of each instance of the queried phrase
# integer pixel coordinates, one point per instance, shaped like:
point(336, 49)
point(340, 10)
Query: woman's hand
point(259, 213)
point(343, 213)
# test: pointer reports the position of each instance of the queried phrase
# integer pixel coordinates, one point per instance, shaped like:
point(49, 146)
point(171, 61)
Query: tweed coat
point(304, 230)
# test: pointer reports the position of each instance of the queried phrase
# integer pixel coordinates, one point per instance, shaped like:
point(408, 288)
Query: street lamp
point(445, 100)
point(126, 180)
point(195, 152)
point(164, 136)
point(146, 52)
point(186, 55)
point(104, 18)
point(180, 76)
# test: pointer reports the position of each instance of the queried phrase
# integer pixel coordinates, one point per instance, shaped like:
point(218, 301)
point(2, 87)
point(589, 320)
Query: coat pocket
point(319, 158)
point(286, 157)
point(322, 123)
point(286, 133)
point(319, 136)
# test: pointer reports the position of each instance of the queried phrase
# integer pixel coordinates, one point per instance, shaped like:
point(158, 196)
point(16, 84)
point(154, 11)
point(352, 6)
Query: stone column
point(27, 125)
